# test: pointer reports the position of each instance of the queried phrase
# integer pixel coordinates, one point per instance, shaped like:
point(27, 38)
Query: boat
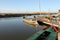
point(33, 26)
point(47, 34)
point(31, 21)
point(53, 21)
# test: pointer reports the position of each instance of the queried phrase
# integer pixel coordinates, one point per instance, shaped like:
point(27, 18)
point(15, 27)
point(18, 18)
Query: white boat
point(31, 21)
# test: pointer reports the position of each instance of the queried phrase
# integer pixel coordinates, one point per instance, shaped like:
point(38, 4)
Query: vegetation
point(16, 15)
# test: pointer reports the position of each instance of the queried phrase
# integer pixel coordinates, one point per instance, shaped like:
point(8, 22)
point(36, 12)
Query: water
point(15, 29)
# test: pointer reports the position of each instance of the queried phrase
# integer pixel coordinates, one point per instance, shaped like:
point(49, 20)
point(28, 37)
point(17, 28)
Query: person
point(34, 16)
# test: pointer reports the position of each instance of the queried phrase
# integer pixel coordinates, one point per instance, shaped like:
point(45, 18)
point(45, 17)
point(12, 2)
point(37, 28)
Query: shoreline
point(15, 15)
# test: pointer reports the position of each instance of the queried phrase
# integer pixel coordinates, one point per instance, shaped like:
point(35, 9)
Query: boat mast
point(39, 7)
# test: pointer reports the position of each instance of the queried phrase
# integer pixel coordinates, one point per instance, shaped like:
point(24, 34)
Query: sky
point(29, 5)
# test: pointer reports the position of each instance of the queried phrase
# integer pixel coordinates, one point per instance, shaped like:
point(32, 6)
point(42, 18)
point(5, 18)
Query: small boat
point(34, 26)
point(31, 21)
point(47, 34)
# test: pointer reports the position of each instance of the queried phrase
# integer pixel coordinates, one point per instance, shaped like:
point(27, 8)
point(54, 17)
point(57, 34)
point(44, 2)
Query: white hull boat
point(31, 21)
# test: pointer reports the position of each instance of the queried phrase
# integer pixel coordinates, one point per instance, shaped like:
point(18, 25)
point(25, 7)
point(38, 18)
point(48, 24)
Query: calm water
point(15, 29)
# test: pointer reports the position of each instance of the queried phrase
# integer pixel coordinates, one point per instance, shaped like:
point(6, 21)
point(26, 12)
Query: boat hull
point(52, 35)
point(31, 22)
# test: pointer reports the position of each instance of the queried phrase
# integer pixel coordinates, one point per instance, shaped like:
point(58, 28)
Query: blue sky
point(50, 5)
point(29, 5)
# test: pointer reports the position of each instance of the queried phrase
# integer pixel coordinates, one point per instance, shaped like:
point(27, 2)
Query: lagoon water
point(15, 29)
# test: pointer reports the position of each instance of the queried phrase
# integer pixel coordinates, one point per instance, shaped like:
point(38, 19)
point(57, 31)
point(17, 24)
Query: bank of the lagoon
point(2, 15)
point(15, 29)
point(24, 14)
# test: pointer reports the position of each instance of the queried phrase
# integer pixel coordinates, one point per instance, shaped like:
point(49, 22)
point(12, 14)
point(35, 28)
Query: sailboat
point(48, 34)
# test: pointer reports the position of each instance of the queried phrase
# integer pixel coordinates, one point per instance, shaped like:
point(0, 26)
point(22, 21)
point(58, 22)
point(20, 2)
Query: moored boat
point(47, 34)
point(31, 21)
